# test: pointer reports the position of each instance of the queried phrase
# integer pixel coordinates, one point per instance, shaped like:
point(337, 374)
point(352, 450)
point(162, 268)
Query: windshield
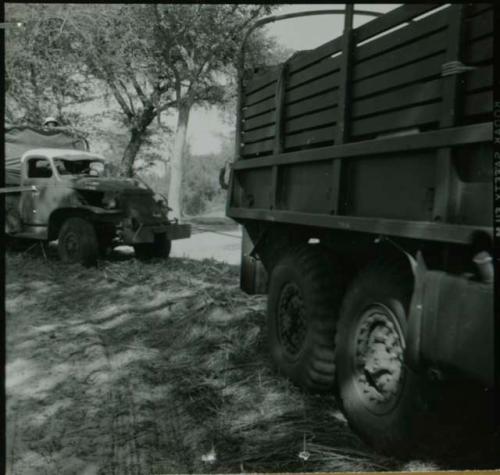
point(85, 167)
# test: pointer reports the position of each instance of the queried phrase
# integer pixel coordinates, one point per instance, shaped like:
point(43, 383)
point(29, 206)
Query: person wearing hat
point(50, 122)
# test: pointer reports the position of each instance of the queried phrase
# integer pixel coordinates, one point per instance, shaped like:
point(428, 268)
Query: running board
point(32, 232)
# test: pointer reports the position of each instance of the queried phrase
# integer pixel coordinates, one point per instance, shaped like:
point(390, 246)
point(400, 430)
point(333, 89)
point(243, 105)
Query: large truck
point(56, 189)
point(363, 180)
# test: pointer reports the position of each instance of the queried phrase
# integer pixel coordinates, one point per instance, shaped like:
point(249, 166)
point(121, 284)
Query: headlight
point(162, 202)
point(109, 201)
point(160, 210)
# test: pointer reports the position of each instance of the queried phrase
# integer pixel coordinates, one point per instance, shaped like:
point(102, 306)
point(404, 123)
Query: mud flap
point(253, 275)
point(450, 326)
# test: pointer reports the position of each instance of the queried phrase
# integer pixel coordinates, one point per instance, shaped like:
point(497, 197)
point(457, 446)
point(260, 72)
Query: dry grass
point(159, 368)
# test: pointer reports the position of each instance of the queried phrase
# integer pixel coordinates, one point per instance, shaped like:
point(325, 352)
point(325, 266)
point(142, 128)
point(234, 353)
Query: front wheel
point(379, 393)
point(159, 248)
point(77, 242)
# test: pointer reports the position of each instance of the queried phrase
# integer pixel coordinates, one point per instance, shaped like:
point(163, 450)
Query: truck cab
point(52, 172)
point(68, 195)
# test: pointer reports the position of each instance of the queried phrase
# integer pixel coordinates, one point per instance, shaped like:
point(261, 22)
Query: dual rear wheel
point(303, 296)
point(324, 339)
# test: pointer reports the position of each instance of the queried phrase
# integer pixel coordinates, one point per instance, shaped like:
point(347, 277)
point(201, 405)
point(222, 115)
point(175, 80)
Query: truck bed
point(378, 130)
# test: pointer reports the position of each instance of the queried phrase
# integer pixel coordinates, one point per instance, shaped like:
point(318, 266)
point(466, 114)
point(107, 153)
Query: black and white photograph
point(249, 238)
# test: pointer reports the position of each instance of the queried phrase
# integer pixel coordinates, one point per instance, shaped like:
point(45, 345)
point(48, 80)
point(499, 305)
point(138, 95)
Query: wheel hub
point(291, 319)
point(71, 244)
point(379, 370)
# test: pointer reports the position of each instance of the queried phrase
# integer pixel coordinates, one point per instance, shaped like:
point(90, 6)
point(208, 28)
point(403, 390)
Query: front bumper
point(146, 233)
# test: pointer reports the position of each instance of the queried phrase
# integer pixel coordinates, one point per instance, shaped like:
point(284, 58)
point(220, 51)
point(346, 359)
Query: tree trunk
point(175, 185)
point(136, 139)
point(128, 159)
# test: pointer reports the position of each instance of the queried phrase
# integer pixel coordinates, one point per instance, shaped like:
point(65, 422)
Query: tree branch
point(139, 90)
point(166, 106)
point(116, 93)
point(128, 96)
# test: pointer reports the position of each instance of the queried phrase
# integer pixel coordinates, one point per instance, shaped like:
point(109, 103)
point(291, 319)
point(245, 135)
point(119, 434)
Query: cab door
point(35, 206)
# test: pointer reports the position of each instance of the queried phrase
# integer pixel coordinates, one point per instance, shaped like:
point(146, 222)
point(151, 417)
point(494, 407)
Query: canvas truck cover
point(20, 139)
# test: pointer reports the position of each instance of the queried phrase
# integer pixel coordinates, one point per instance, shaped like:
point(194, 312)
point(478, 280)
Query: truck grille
point(141, 207)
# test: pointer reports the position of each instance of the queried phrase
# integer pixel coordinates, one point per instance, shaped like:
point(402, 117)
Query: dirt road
point(223, 246)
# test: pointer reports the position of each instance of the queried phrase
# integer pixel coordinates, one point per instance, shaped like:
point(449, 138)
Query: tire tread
point(317, 371)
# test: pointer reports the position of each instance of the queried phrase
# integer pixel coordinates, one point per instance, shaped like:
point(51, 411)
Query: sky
point(207, 127)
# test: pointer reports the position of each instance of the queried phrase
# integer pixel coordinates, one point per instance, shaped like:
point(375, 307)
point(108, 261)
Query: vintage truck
point(57, 190)
point(363, 180)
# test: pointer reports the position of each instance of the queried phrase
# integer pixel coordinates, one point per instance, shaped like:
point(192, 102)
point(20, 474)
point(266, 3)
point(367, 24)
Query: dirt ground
point(135, 368)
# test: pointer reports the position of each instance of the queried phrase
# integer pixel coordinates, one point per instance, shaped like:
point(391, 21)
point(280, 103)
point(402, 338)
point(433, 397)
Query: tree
point(197, 46)
point(111, 42)
point(40, 81)
point(200, 182)
point(151, 58)
point(66, 52)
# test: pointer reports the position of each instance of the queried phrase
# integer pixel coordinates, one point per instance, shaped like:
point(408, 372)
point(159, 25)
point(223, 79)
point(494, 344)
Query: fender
point(95, 213)
point(451, 325)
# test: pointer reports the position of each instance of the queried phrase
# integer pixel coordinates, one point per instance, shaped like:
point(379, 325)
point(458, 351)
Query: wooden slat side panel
point(390, 20)
point(259, 121)
point(480, 78)
point(426, 69)
point(400, 98)
point(312, 88)
point(322, 101)
point(409, 34)
point(452, 137)
point(260, 95)
point(392, 121)
point(308, 58)
point(259, 108)
point(318, 119)
point(327, 66)
point(408, 54)
point(310, 138)
point(477, 8)
point(479, 51)
point(479, 103)
point(260, 80)
point(479, 26)
point(257, 135)
point(259, 148)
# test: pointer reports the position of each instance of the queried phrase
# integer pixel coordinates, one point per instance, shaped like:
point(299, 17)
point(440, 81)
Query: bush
point(200, 184)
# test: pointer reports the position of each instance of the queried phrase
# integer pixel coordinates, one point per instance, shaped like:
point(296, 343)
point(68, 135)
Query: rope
point(201, 228)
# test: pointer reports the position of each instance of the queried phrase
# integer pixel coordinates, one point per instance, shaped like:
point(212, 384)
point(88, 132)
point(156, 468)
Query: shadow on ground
point(158, 368)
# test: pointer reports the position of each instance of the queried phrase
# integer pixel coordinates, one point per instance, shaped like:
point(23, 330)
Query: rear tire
point(159, 248)
point(303, 302)
point(379, 393)
point(77, 242)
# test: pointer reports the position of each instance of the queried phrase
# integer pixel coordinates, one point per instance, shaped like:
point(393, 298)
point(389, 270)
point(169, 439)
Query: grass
point(156, 368)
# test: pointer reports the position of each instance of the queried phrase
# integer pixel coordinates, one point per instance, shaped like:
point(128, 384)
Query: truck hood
point(105, 184)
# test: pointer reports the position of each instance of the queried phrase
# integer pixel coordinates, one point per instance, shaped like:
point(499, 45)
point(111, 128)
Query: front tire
point(379, 393)
point(159, 248)
point(77, 242)
point(304, 297)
